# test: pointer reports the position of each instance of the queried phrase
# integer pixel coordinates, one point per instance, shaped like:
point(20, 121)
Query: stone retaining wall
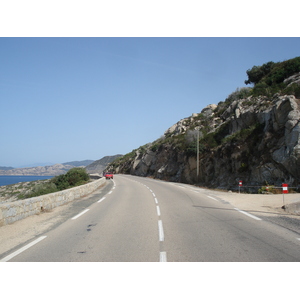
point(14, 211)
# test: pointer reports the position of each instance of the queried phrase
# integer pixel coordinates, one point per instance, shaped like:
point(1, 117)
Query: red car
point(109, 175)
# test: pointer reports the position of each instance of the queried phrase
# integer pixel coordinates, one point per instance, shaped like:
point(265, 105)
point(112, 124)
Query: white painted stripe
point(163, 257)
point(212, 198)
point(150, 190)
point(156, 200)
point(109, 192)
point(153, 194)
point(161, 231)
point(83, 212)
point(9, 257)
point(158, 210)
point(101, 199)
point(298, 239)
point(113, 187)
point(247, 214)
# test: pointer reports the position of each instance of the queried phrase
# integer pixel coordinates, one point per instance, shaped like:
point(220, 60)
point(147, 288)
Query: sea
point(6, 180)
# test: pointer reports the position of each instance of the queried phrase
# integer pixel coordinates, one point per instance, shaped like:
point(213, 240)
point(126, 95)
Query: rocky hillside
point(99, 165)
point(254, 136)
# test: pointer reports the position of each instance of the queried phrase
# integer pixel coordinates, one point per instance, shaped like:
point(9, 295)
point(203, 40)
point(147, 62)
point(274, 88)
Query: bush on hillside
point(268, 79)
point(239, 93)
point(74, 177)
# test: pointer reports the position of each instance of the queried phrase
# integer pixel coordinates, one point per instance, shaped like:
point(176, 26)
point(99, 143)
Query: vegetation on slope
point(269, 78)
point(74, 177)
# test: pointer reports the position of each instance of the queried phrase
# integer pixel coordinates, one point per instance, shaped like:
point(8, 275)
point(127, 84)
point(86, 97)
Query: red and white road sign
point(285, 188)
point(240, 183)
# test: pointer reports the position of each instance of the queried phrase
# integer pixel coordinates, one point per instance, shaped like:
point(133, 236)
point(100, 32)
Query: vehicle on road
point(109, 175)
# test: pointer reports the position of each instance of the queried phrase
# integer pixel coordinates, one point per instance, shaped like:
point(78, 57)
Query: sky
point(64, 99)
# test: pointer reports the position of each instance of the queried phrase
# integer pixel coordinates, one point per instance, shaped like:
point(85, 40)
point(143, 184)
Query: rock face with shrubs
point(253, 136)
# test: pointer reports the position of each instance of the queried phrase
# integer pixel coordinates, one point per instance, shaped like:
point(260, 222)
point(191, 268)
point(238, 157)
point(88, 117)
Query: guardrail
point(13, 211)
point(284, 187)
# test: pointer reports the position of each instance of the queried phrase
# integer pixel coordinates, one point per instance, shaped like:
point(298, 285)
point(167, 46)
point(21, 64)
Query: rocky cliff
point(254, 138)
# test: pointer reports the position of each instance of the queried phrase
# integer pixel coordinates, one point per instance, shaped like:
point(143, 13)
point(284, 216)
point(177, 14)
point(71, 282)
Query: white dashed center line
point(161, 231)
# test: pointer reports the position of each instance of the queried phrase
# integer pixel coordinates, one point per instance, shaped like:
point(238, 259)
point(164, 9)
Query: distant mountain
point(52, 170)
point(6, 168)
point(82, 163)
point(38, 164)
point(99, 165)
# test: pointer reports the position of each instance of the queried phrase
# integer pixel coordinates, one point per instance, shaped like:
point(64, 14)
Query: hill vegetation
point(269, 78)
point(74, 177)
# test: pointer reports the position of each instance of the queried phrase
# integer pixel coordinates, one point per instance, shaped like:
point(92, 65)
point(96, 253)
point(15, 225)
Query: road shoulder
point(15, 235)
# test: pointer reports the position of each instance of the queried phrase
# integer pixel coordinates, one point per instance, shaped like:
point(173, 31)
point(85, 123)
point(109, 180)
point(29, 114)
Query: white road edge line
point(77, 216)
point(9, 257)
point(101, 199)
point(247, 214)
point(163, 257)
point(156, 201)
point(161, 231)
point(109, 192)
point(212, 198)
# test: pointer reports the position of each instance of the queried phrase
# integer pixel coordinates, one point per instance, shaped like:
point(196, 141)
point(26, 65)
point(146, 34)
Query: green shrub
point(269, 189)
point(42, 189)
point(240, 93)
point(73, 177)
point(293, 89)
point(268, 78)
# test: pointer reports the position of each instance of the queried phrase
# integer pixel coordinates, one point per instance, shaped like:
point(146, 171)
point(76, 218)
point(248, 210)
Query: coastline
point(13, 179)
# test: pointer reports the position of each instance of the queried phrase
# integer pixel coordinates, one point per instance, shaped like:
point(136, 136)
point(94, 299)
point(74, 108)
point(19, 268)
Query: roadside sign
point(285, 189)
point(240, 184)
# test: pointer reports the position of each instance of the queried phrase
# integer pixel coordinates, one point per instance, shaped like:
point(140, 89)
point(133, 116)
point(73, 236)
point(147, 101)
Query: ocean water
point(6, 180)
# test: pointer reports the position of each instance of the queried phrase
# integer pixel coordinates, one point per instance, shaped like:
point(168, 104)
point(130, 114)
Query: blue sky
point(65, 99)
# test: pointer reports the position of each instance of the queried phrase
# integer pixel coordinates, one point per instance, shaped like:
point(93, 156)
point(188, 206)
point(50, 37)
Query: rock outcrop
point(256, 139)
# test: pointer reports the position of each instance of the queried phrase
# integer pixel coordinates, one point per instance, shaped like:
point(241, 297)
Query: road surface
point(144, 220)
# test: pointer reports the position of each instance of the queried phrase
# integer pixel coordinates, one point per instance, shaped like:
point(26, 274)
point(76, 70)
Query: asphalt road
point(143, 220)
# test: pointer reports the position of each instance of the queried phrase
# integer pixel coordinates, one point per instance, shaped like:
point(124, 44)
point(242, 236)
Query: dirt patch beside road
point(261, 203)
